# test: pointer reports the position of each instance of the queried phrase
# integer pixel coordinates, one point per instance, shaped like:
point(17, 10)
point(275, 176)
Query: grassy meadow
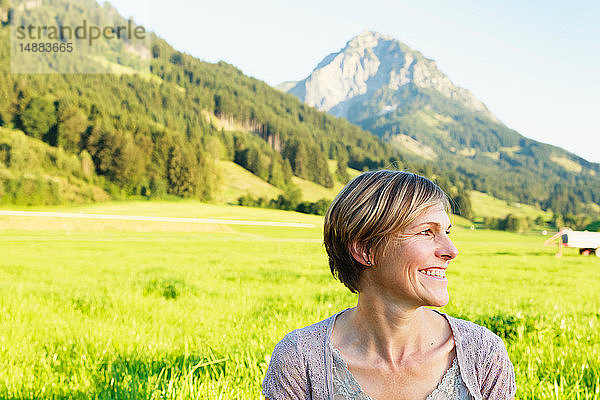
point(158, 310)
point(485, 205)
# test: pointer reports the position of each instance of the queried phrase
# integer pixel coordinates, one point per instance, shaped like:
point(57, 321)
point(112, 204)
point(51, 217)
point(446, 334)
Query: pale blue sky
point(535, 64)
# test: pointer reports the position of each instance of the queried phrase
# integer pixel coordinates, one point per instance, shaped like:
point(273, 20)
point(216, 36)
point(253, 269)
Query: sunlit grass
point(131, 313)
point(485, 205)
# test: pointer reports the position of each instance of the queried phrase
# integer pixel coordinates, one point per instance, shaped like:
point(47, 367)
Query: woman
point(386, 235)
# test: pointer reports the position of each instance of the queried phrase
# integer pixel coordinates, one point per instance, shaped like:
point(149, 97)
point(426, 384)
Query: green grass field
point(156, 310)
point(485, 205)
point(241, 182)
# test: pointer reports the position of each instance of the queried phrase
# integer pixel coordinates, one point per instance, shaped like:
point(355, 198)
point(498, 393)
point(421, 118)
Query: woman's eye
point(426, 232)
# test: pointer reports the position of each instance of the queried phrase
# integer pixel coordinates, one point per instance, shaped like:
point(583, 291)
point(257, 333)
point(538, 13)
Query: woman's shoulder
point(310, 336)
point(467, 333)
point(307, 340)
point(297, 364)
point(483, 359)
point(475, 344)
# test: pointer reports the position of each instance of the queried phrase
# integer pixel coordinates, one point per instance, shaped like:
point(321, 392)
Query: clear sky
point(534, 63)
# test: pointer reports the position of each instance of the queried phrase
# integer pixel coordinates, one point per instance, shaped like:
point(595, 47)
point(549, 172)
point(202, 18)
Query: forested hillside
point(155, 134)
point(498, 160)
point(152, 134)
point(31, 172)
point(161, 133)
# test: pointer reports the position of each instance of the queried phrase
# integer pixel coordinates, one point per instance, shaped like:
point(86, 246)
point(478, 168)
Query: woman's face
point(412, 271)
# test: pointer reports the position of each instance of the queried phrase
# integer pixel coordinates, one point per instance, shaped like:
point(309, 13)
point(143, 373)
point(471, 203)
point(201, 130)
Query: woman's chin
point(439, 301)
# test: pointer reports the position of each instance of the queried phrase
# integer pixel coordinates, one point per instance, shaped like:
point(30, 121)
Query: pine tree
point(181, 173)
point(38, 117)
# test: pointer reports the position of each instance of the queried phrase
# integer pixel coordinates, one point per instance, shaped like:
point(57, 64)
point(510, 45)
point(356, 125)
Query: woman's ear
point(361, 254)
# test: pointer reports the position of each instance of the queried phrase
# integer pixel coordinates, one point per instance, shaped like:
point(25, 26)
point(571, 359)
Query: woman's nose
point(447, 249)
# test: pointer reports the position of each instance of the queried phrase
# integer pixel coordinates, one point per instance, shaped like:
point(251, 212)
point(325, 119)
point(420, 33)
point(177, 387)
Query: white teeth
point(439, 273)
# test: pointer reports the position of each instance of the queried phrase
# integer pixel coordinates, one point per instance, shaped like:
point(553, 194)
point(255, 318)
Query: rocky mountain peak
point(367, 39)
point(369, 62)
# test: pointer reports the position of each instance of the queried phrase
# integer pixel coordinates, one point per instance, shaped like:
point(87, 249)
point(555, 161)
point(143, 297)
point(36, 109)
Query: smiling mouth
point(436, 273)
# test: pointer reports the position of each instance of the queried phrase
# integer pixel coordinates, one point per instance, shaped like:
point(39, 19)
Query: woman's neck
point(387, 332)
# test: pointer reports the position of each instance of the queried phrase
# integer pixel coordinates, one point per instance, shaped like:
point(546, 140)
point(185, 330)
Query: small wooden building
point(587, 242)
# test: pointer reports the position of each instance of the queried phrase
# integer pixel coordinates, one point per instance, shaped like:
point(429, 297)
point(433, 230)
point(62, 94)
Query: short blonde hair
point(369, 210)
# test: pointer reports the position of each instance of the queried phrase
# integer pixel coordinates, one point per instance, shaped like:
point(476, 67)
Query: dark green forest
point(151, 135)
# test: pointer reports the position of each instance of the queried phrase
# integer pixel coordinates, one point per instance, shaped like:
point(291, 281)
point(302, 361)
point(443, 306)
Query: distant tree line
point(515, 223)
point(289, 200)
